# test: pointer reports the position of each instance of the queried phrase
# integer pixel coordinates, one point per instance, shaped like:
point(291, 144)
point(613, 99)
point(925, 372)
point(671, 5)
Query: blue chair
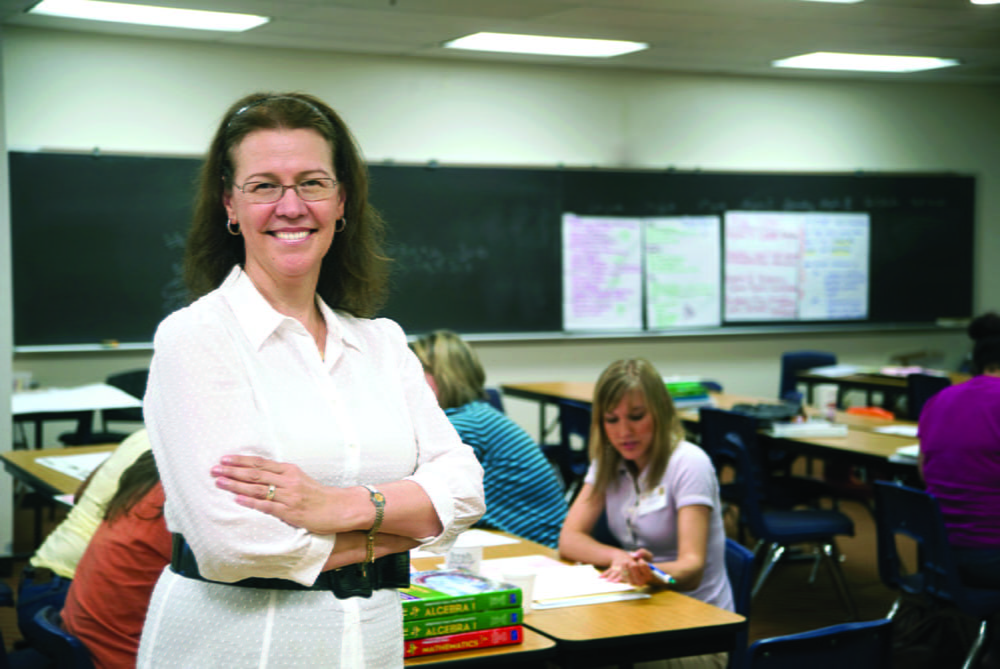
point(739, 569)
point(572, 463)
point(780, 528)
point(66, 650)
point(912, 513)
point(860, 645)
point(919, 389)
point(495, 399)
point(793, 362)
point(779, 488)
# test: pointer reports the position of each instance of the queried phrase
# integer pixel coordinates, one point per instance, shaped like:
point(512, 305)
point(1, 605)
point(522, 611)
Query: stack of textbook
point(450, 610)
point(687, 393)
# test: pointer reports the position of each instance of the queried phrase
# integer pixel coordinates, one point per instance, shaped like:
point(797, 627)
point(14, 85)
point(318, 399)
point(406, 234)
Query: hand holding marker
point(660, 575)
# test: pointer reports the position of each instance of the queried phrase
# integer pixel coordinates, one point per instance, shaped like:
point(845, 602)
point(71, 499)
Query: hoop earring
point(341, 224)
point(233, 228)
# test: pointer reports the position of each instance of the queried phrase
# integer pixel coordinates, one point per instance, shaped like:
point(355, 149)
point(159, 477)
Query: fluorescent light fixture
point(986, 2)
point(823, 60)
point(549, 46)
point(841, 2)
point(120, 12)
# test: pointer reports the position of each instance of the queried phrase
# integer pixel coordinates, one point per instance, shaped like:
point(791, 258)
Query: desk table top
point(24, 465)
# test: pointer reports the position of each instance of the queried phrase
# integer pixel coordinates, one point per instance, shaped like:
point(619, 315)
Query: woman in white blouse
point(301, 451)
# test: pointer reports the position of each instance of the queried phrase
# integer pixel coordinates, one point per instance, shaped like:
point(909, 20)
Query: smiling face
point(629, 427)
point(284, 240)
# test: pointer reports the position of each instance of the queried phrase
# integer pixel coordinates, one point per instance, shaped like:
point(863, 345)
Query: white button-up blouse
point(230, 375)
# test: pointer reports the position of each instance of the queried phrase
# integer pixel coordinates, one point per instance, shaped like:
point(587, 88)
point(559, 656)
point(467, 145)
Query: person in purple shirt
point(960, 462)
point(960, 457)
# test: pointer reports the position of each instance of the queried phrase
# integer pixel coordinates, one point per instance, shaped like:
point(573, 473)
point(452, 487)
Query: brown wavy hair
point(355, 272)
point(620, 378)
point(135, 483)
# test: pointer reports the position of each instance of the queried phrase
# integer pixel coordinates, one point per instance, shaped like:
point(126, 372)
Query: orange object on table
point(874, 412)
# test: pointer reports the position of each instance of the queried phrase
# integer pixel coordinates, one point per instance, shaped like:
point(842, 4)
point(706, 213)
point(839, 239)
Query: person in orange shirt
point(107, 600)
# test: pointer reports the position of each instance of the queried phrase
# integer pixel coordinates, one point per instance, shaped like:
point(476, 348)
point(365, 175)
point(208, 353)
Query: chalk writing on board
point(602, 273)
point(461, 258)
point(783, 266)
point(683, 288)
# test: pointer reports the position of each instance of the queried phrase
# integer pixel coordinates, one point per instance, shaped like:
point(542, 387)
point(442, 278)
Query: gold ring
point(270, 492)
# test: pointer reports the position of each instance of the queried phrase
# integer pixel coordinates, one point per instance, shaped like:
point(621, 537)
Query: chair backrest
point(861, 645)
point(919, 389)
point(725, 442)
point(716, 425)
point(67, 650)
point(494, 398)
point(132, 382)
point(739, 569)
point(793, 362)
point(913, 513)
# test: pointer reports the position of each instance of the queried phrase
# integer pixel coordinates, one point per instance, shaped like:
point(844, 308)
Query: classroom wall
point(79, 92)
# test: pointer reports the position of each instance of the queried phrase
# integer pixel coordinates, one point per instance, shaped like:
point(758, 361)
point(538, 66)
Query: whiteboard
point(787, 266)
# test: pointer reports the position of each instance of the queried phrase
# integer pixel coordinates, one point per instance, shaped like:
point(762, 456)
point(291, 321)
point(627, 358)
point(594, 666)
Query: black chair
point(919, 389)
point(739, 569)
point(495, 399)
point(132, 382)
point(778, 529)
point(66, 650)
point(793, 362)
point(570, 461)
point(860, 645)
point(902, 510)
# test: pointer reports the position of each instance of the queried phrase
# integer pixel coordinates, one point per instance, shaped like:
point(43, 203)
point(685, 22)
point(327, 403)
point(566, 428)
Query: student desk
point(666, 625)
point(890, 386)
point(862, 445)
point(23, 466)
point(75, 404)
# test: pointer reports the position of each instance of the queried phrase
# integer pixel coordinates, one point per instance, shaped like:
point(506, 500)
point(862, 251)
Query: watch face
point(379, 497)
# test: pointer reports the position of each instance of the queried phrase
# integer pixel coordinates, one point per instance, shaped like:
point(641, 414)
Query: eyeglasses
point(310, 190)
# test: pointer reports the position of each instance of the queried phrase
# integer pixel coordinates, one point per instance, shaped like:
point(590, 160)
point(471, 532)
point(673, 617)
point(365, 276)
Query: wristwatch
point(378, 501)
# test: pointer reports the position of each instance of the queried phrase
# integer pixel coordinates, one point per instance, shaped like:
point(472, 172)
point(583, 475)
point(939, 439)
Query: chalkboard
point(97, 240)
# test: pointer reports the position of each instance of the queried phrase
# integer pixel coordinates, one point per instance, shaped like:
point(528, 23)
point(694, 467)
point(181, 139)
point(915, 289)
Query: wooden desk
point(891, 387)
point(23, 466)
point(862, 444)
point(666, 625)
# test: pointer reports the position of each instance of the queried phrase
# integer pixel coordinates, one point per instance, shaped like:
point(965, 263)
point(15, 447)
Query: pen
point(664, 577)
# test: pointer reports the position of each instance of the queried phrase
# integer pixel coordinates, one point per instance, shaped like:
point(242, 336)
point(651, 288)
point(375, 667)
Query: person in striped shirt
point(523, 493)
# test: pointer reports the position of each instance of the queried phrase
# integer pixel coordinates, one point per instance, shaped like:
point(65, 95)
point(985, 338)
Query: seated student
point(660, 493)
point(523, 494)
point(107, 601)
point(959, 460)
point(46, 579)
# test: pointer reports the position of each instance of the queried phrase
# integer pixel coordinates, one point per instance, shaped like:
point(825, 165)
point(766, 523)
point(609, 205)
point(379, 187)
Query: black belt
point(354, 580)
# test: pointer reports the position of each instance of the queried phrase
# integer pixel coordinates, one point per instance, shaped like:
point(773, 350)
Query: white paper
point(91, 397)
point(602, 273)
point(471, 538)
point(78, 465)
point(910, 450)
point(901, 430)
point(785, 266)
point(683, 284)
point(553, 579)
